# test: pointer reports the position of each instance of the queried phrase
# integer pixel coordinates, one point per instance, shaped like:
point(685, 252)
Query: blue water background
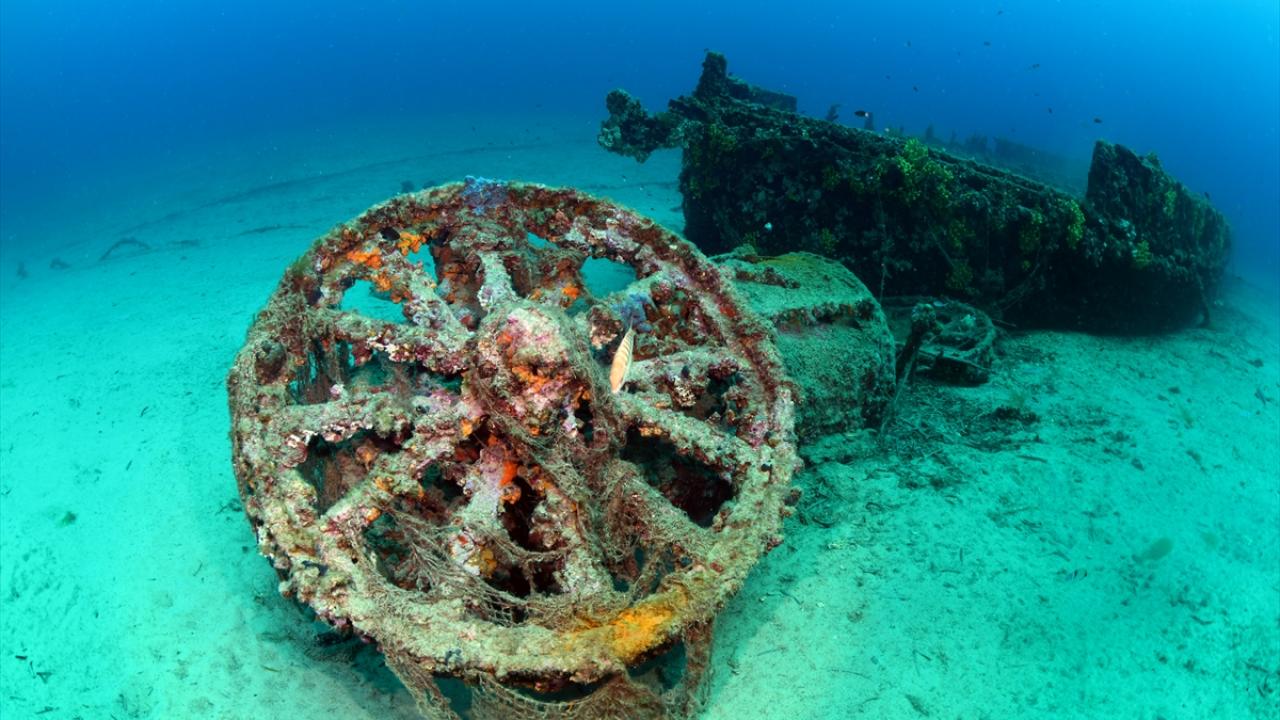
point(92, 92)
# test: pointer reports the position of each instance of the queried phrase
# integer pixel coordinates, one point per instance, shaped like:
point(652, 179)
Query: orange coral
point(409, 242)
point(573, 292)
point(534, 381)
point(366, 455)
point(509, 469)
point(370, 258)
point(507, 484)
point(382, 282)
point(529, 377)
point(640, 628)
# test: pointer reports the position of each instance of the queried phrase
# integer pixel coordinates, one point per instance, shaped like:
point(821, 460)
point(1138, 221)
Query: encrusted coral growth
point(632, 311)
point(483, 194)
point(913, 220)
point(463, 488)
point(1154, 243)
point(835, 340)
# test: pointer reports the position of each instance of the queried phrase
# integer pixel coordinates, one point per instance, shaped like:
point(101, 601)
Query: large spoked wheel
point(458, 480)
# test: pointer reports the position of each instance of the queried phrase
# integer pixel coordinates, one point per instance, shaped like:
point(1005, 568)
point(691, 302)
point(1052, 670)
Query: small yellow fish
point(621, 361)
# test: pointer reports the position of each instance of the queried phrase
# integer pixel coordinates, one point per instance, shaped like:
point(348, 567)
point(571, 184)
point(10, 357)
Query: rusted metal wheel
point(456, 480)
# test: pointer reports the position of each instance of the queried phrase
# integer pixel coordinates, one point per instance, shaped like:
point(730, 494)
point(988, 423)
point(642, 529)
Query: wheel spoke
point(698, 439)
point(659, 518)
point(437, 345)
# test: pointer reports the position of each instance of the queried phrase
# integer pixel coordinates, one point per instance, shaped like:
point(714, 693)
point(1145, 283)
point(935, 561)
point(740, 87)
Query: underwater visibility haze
point(716, 360)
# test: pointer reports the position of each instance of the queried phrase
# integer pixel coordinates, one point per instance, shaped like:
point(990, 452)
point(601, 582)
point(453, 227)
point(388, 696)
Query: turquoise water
point(1117, 556)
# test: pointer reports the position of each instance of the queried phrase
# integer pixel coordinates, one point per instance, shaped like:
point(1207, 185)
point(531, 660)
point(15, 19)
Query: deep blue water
point(112, 395)
point(89, 88)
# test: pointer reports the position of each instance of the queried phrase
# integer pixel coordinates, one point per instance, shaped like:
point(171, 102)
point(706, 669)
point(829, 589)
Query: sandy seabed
point(1093, 533)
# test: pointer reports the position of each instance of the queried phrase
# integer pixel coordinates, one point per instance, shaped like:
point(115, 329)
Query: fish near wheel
point(437, 450)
